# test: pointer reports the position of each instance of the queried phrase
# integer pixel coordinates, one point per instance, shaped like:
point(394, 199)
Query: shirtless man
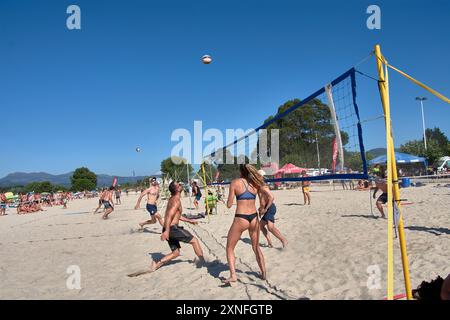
point(380, 184)
point(267, 210)
point(173, 233)
point(100, 203)
point(152, 197)
point(117, 194)
point(107, 200)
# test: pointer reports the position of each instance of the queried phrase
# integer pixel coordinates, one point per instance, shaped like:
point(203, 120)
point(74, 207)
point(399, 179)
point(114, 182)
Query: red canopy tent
point(289, 168)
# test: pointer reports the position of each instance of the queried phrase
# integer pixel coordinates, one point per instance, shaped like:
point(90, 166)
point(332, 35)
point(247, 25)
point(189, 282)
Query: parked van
point(442, 165)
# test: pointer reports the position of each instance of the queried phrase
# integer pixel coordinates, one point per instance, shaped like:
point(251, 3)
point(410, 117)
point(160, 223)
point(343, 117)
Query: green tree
point(438, 145)
point(302, 131)
point(210, 172)
point(83, 179)
point(176, 168)
point(38, 187)
point(414, 147)
point(229, 169)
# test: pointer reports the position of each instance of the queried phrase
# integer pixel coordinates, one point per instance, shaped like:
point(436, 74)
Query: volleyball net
point(321, 135)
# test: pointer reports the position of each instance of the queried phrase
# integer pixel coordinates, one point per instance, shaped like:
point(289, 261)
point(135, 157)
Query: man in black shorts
point(380, 184)
point(108, 202)
point(173, 233)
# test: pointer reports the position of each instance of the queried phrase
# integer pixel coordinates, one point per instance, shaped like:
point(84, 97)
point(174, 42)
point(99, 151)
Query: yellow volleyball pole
point(392, 183)
point(386, 108)
point(206, 188)
point(400, 228)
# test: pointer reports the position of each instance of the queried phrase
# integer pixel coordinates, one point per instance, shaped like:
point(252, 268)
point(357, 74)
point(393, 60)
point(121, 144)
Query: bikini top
point(246, 195)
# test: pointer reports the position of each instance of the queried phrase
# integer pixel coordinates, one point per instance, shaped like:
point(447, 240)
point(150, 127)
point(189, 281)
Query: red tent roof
point(289, 168)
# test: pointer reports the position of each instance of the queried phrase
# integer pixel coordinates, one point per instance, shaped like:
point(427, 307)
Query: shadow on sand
point(435, 231)
point(150, 231)
point(156, 256)
point(361, 216)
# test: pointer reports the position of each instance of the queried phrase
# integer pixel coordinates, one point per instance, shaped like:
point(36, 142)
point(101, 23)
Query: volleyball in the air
point(206, 59)
point(138, 149)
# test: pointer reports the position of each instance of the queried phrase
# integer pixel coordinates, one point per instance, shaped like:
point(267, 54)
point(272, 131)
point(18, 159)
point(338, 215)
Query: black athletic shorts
point(107, 204)
point(383, 198)
point(176, 235)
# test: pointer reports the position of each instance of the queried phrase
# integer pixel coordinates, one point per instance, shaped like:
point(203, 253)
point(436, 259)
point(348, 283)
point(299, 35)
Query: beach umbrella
point(9, 195)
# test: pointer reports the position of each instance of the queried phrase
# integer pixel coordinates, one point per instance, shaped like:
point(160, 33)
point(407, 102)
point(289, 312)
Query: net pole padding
point(394, 176)
point(382, 85)
point(337, 130)
point(206, 188)
point(420, 84)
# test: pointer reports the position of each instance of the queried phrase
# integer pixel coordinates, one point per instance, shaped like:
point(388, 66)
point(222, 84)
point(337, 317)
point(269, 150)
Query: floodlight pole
point(422, 99)
point(318, 156)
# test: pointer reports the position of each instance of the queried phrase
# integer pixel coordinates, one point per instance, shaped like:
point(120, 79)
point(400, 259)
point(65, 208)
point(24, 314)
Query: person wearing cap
point(152, 194)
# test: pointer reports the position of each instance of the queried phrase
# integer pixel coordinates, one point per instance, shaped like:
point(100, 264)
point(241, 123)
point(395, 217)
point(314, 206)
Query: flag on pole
point(335, 154)
point(114, 182)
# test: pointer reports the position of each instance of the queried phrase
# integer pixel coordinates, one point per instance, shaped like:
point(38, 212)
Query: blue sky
point(133, 74)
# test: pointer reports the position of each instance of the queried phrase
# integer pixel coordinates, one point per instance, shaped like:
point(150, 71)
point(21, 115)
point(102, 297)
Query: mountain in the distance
point(23, 178)
point(378, 151)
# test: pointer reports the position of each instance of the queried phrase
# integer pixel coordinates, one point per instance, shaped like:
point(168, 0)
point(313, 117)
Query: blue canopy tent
point(399, 158)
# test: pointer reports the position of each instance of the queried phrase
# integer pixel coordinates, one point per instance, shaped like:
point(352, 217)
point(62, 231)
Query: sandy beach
point(331, 245)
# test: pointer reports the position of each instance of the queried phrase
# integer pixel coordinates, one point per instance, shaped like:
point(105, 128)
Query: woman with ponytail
point(245, 189)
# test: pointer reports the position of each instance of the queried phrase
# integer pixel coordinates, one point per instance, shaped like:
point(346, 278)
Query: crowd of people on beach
point(34, 202)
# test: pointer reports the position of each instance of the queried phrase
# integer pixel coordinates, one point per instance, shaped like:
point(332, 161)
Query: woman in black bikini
point(245, 189)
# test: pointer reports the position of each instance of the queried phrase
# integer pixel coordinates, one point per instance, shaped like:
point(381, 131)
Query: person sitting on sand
point(437, 289)
point(152, 194)
point(245, 189)
point(267, 210)
point(107, 200)
point(173, 233)
point(305, 189)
